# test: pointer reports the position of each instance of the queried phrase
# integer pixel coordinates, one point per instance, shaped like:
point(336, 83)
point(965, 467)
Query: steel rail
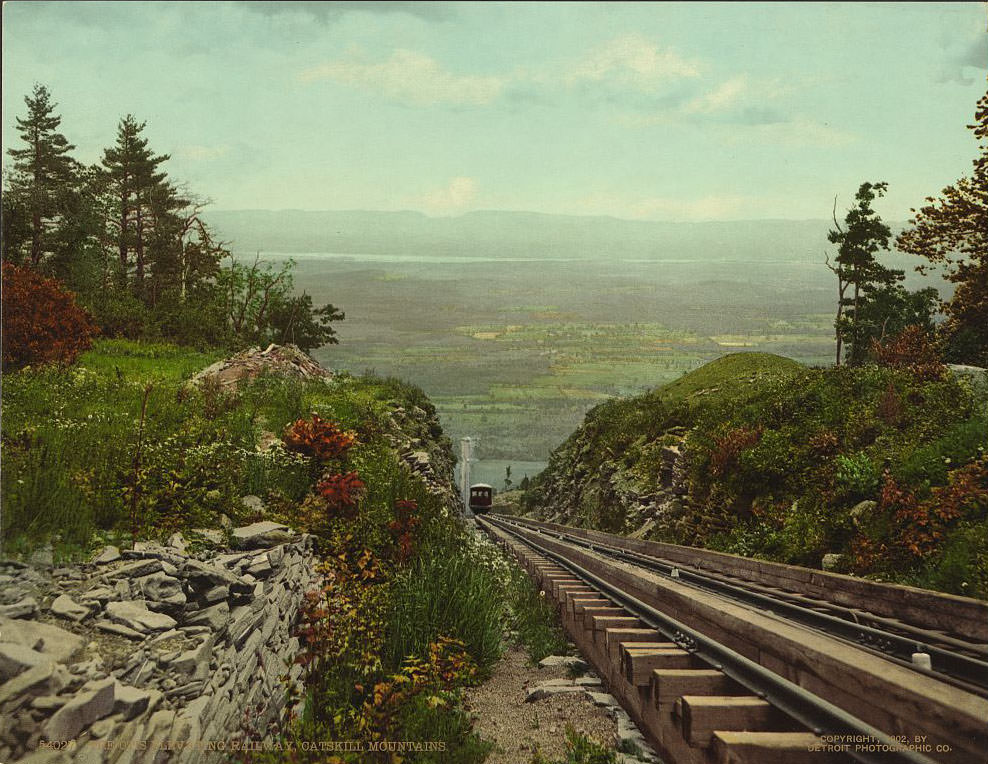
point(812, 711)
point(969, 674)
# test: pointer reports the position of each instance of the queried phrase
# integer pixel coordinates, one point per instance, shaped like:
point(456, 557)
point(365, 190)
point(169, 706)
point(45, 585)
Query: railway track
point(714, 676)
point(962, 662)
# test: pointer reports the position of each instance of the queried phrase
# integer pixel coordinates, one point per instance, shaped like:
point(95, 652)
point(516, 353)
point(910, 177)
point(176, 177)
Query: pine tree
point(141, 193)
point(863, 236)
point(44, 174)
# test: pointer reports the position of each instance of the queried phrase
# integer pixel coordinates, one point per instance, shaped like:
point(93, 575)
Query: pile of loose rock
point(151, 654)
point(283, 360)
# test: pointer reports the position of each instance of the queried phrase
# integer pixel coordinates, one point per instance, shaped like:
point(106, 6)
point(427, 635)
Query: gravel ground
point(519, 729)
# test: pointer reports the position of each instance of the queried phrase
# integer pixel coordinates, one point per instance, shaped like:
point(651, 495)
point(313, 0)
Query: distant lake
point(467, 260)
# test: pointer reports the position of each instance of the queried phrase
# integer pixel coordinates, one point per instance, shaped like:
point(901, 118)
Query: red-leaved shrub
point(913, 349)
point(318, 438)
point(41, 321)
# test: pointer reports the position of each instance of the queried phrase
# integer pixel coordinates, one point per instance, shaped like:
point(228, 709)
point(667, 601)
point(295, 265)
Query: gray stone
point(194, 663)
point(94, 702)
point(122, 588)
point(215, 617)
point(137, 569)
point(832, 561)
point(261, 567)
point(177, 541)
point(108, 555)
point(98, 594)
point(603, 699)
point(25, 608)
point(203, 577)
point(49, 702)
point(45, 679)
point(66, 607)
point(16, 659)
point(587, 681)
point(102, 728)
point(117, 628)
point(216, 594)
point(131, 701)
point(162, 589)
point(252, 504)
point(549, 689)
point(563, 661)
point(135, 615)
point(862, 510)
point(56, 643)
point(262, 534)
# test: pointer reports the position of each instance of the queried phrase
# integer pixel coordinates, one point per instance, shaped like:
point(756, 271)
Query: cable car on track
point(480, 498)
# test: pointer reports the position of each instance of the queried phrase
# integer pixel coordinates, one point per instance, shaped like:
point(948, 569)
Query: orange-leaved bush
point(912, 349)
point(41, 321)
point(342, 492)
point(318, 438)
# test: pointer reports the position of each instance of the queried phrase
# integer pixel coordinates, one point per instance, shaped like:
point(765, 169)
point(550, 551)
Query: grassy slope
point(777, 456)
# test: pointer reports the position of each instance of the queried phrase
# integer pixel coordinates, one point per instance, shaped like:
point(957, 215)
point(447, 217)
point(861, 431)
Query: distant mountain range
point(518, 235)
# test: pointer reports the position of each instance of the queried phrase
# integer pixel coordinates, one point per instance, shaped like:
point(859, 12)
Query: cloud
point(633, 61)
point(456, 196)
point(326, 12)
point(410, 77)
point(974, 55)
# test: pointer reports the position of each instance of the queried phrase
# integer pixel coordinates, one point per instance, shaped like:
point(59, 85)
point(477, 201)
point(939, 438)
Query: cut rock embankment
point(151, 654)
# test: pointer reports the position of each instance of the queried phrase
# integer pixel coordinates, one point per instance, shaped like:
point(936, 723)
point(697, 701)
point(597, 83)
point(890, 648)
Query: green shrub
point(857, 476)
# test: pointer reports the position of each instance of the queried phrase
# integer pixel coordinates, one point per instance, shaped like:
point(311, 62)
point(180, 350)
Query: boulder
point(24, 608)
point(56, 643)
point(94, 702)
point(283, 360)
point(16, 659)
point(44, 679)
point(215, 617)
point(177, 541)
point(118, 628)
point(107, 555)
point(135, 615)
point(832, 561)
point(262, 534)
point(66, 607)
point(131, 701)
point(137, 569)
point(862, 510)
point(162, 589)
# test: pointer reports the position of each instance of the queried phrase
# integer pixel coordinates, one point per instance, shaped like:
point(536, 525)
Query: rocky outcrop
point(130, 656)
point(282, 360)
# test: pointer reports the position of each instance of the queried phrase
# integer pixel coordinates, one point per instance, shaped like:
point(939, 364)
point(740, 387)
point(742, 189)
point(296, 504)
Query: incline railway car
point(480, 498)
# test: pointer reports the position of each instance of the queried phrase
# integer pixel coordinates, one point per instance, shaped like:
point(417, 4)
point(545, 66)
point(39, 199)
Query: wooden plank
point(701, 715)
point(668, 685)
point(579, 605)
point(604, 622)
point(638, 665)
point(770, 748)
point(590, 612)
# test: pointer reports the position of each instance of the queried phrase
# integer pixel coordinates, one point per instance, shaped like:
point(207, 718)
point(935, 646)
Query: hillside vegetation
point(882, 470)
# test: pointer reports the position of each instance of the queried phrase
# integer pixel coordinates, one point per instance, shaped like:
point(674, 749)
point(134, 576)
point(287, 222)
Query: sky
point(654, 111)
